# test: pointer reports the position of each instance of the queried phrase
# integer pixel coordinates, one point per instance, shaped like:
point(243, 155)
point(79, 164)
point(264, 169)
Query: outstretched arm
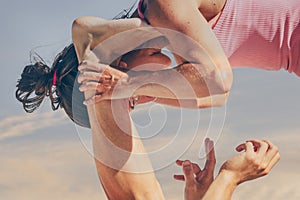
point(122, 163)
point(258, 158)
point(93, 73)
point(116, 143)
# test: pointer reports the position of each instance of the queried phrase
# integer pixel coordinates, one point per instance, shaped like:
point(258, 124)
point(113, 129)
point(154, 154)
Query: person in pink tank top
point(229, 34)
point(253, 33)
point(197, 186)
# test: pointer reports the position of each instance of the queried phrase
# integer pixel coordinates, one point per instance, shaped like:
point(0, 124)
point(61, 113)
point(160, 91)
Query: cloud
point(25, 124)
point(65, 170)
point(49, 170)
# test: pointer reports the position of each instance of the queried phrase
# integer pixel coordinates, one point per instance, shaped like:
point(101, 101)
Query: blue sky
point(44, 156)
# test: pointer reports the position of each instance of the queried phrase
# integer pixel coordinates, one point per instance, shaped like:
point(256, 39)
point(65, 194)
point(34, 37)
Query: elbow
point(78, 26)
point(77, 29)
point(213, 101)
point(82, 39)
point(221, 81)
point(227, 79)
point(222, 101)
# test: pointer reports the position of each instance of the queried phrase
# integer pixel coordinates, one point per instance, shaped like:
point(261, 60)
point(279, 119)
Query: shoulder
point(174, 8)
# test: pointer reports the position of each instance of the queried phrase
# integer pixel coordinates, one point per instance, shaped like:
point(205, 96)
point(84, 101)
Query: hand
point(259, 158)
point(100, 79)
point(197, 181)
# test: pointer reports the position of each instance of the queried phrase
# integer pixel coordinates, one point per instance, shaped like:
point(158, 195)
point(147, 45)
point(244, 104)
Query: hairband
point(54, 79)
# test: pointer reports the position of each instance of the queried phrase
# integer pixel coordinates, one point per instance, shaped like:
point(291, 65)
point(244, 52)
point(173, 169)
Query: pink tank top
point(261, 34)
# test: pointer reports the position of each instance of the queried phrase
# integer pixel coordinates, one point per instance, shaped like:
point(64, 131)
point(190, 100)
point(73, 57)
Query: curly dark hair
point(36, 83)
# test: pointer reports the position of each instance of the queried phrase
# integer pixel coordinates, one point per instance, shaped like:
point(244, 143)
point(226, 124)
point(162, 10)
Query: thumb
point(188, 173)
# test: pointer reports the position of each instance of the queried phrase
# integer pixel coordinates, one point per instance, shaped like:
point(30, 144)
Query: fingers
point(93, 100)
point(94, 86)
point(272, 163)
point(195, 168)
point(97, 67)
point(179, 177)
point(179, 162)
point(272, 150)
point(240, 148)
point(260, 147)
point(210, 156)
point(188, 173)
point(95, 76)
point(265, 156)
point(272, 157)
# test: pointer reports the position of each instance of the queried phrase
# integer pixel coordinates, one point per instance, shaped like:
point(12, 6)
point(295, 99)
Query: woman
point(113, 142)
point(270, 158)
point(191, 82)
point(255, 34)
point(59, 83)
point(252, 33)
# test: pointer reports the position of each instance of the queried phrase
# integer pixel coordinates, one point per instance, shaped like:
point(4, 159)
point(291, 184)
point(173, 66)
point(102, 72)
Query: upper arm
point(100, 29)
point(184, 17)
point(88, 32)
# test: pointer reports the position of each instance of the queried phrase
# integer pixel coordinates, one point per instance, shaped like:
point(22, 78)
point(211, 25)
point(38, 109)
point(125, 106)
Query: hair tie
point(54, 79)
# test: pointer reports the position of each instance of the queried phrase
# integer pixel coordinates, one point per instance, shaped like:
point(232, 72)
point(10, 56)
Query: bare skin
point(210, 66)
point(111, 75)
point(112, 136)
point(198, 180)
point(257, 160)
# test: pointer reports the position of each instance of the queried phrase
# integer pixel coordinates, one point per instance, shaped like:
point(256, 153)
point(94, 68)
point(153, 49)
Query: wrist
point(229, 178)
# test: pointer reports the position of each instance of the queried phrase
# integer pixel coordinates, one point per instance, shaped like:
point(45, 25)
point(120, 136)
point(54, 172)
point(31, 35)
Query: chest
point(210, 8)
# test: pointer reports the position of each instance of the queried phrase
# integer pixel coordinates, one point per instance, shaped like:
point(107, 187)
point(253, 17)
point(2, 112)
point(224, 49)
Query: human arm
point(186, 18)
point(93, 74)
point(197, 181)
point(122, 163)
point(258, 158)
point(189, 80)
point(116, 143)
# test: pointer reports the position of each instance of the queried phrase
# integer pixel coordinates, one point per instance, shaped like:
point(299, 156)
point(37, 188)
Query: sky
point(45, 156)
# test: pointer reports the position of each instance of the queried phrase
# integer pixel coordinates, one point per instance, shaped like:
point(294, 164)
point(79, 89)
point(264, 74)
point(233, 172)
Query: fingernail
point(186, 163)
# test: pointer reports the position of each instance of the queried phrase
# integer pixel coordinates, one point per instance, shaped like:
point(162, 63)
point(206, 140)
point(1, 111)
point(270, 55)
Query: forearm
point(207, 102)
point(182, 82)
point(222, 188)
point(122, 175)
point(192, 39)
point(122, 162)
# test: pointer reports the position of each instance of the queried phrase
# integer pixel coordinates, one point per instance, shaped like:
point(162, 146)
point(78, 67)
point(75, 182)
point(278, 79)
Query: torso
point(255, 33)
point(260, 34)
point(208, 8)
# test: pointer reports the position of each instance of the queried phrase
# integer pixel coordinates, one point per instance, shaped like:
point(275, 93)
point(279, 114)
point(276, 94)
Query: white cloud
point(50, 170)
point(25, 124)
point(64, 170)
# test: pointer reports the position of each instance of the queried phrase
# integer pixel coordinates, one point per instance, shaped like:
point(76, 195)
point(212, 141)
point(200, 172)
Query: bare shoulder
point(170, 9)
